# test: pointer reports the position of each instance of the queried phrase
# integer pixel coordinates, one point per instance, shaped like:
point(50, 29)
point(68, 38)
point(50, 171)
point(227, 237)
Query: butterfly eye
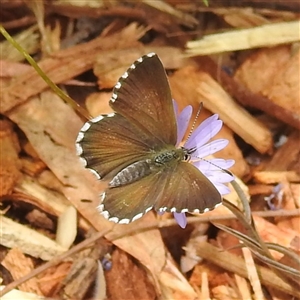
point(188, 153)
point(187, 157)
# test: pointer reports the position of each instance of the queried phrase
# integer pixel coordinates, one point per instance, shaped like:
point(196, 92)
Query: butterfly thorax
point(168, 157)
point(157, 161)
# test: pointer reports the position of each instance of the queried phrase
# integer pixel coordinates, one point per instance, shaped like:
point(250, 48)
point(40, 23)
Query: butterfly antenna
point(190, 133)
point(195, 120)
point(224, 170)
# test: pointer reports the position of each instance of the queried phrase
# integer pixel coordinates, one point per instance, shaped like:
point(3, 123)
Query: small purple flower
point(200, 137)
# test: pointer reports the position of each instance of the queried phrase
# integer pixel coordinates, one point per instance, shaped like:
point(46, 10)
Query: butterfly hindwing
point(127, 203)
point(186, 189)
point(182, 188)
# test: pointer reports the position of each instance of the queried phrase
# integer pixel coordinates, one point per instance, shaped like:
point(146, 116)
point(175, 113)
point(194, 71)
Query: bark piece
point(19, 265)
point(135, 286)
point(244, 95)
point(274, 74)
point(9, 157)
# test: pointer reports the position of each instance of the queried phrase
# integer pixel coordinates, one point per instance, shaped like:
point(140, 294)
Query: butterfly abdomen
point(132, 173)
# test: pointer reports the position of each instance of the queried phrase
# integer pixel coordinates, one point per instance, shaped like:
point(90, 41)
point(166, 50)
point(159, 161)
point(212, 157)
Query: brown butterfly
point(134, 149)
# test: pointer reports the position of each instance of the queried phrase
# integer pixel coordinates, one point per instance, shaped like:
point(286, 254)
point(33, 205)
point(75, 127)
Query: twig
point(235, 264)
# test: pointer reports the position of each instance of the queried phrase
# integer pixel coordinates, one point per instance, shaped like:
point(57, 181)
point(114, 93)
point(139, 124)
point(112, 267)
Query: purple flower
point(200, 137)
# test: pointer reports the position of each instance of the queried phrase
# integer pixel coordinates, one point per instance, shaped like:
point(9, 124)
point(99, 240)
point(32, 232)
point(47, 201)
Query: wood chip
point(236, 264)
point(224, 292)
point(243, 287)
point(10, 164)
point(19, 265)
point(184, 84)
point(252, 274)
point(205, 287)
point(135, 286)
point(279, 66)
point(100, 284)
point(261, 36)
point(51, 279)
point(79, 59)
point(271, 177)
point(173, 284)
point(233, 115)
point(40, 220)
point(79, 278)
point(67, 227)
point(270, 233)
point(32, 167)
point(243, 94)
point(29, 241)
point(16, 294)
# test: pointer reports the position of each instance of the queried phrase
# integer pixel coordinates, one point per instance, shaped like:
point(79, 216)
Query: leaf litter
point(255, 91)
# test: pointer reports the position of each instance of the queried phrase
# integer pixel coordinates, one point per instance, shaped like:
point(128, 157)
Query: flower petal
point(214, 164)
point(213, 169)
point(222, 188)
point(204, 132)
point(175, 106)
point(183, 121)
point(180, 219)
point(222, 163)
point(210, 148)
point(220, 176)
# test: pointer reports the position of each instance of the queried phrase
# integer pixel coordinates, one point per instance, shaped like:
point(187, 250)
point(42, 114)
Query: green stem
point(50, 83)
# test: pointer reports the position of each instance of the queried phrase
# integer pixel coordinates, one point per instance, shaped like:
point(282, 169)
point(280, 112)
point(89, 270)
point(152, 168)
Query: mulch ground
point(241, 59)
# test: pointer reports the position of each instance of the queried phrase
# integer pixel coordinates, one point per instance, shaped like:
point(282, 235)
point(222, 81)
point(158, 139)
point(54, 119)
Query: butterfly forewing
point(110, 143)
point(143, 96)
